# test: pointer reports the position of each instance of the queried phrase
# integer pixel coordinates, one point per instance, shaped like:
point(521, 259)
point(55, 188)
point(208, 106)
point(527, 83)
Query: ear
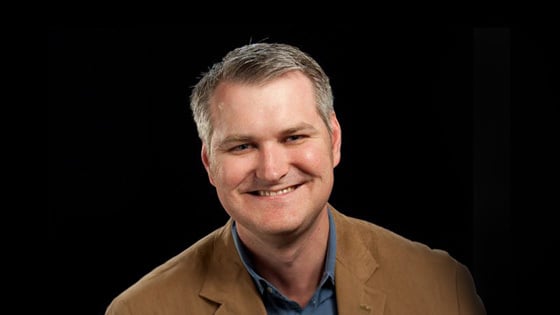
point(206, 162)
point(336, 139)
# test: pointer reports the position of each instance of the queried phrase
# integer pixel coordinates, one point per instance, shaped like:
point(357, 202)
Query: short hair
point(253, 64)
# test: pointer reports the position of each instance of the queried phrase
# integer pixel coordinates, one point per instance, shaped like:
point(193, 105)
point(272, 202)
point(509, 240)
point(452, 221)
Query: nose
point(273, 162)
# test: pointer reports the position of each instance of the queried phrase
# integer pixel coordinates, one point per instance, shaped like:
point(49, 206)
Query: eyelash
point(240, 147)
point(297, 137)
point(244, 146)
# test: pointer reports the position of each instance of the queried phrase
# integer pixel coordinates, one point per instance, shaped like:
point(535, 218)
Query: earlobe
point(206, 162)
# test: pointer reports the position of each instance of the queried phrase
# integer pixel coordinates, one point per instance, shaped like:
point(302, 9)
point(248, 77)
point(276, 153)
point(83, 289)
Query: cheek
point(315, 159)
point(230, 171)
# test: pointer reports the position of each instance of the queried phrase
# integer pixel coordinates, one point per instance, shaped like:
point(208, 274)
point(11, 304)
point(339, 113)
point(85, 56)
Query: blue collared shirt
point(323, 301)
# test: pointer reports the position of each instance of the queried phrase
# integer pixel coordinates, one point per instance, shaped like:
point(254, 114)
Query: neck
point(295, 267)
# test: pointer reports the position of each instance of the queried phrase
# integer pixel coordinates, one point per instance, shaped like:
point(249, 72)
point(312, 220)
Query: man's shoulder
point(430, 278)
point(387, 245)
point(178, 278)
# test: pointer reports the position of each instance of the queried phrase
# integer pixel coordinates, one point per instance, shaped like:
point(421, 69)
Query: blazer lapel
point(353, 297)
point(227, 282)
point(354, 266)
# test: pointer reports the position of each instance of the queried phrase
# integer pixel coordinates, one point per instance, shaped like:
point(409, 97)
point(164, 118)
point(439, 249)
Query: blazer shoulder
point(180, 277)
point(391, 248)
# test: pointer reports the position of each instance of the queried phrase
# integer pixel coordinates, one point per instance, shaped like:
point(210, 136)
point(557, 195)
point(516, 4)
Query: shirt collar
point(330, 259)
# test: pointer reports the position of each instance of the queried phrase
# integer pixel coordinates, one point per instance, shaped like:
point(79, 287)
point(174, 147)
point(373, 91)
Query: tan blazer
point(377, 272)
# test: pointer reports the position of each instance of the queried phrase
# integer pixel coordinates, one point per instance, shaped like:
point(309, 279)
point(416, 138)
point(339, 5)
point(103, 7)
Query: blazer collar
point(227, 283)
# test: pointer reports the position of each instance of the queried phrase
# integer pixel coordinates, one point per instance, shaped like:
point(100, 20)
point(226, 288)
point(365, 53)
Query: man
point(270, 143)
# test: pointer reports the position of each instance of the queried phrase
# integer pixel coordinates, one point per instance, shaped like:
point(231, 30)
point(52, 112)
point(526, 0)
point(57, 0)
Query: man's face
point(272, 159)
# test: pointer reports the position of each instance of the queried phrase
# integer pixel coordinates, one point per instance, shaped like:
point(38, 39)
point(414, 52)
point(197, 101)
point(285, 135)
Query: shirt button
point(269, 289)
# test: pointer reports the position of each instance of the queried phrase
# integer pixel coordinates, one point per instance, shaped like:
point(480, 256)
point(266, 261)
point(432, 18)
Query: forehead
point(289, 98)
point(292, 88)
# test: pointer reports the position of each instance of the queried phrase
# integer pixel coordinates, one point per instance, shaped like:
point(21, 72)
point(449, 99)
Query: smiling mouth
point(270, 193)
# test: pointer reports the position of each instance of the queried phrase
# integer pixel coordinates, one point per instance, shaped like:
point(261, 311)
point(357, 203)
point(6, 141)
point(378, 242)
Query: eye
point(294, 138)
point(241, 147)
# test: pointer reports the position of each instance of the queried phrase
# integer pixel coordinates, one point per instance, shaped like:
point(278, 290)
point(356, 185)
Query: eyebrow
point(299, 128)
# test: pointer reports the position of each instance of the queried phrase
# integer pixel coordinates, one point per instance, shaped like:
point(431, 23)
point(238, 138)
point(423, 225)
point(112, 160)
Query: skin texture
point(272, 162)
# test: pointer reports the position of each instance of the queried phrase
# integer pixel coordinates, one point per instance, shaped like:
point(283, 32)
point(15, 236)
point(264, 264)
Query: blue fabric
point(324, 299)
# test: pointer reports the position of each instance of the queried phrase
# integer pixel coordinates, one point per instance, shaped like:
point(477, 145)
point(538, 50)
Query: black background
point(127, 190)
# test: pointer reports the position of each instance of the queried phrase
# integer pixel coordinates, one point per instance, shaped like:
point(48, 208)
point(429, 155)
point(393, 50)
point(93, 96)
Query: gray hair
point(253, 64)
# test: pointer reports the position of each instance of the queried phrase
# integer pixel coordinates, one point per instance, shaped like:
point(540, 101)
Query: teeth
point(275, 193)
